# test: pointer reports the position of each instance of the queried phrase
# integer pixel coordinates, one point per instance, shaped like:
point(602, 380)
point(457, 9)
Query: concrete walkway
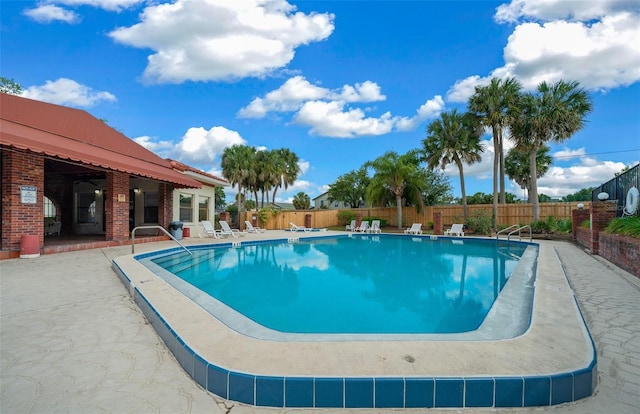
point(72, 341)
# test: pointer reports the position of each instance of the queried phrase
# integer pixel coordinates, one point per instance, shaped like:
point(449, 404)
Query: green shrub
point(383, 222)
point(479, 222)
point(345, 216)
point(265, 212)
point(540, 226)
point(563, 226)
point(625, 226)
point(586, 224)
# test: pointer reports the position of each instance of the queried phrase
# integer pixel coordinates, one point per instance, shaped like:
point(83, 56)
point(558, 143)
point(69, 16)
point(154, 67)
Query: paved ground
point(72, 341)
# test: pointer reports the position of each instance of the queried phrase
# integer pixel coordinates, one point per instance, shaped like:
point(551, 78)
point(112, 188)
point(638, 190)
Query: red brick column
point(21, 168)
point(577, 217)
point(165, 205)
point(358, 219)
point(603, 213)
point(438, 226)
point(117, 206)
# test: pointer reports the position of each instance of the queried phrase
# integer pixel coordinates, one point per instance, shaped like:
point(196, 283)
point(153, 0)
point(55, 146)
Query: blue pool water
point(354, 285)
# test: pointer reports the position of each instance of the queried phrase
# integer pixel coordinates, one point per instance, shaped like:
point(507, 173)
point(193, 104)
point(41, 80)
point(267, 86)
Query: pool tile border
point(370, 392)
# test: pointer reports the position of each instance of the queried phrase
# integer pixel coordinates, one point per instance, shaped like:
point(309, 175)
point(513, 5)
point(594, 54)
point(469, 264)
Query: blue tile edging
point(369, 392)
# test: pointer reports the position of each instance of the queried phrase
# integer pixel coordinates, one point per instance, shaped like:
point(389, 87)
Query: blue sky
point(337, 82)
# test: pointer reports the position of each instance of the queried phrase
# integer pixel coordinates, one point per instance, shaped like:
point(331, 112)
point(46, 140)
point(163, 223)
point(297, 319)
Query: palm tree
point(491, 103)
point(554, 114)
point(454, 138)
point(236, 164)
point(288, 169)
point(396, 175)
point(518, 169)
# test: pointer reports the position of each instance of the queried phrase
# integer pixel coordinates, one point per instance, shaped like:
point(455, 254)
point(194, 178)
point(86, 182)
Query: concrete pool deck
point(74, 341)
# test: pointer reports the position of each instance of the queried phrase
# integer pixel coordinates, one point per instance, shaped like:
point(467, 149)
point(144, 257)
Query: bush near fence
point(508, 214)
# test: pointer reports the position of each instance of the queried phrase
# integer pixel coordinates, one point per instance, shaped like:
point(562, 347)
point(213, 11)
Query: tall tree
point(492, 103)
point(398, 176)
point(288, 169)
point(553, 114)
point(237, 167)
point(453, 138)
point(517, 166)
point(350, 188)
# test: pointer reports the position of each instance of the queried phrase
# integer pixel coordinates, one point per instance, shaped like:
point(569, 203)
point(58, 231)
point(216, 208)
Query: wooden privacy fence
point(508, 214)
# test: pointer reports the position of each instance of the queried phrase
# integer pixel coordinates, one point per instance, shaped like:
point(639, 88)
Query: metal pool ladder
point(133, 237)
point(518, 229)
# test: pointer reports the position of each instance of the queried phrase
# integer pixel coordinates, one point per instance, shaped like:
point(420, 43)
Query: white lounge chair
point(416, 228)
point(375, 227)
point(455, 230)
point(209, 230)
point(229, 231)
point(351, 226)
point(251, 229)
point(299, 228)
point(364, 227)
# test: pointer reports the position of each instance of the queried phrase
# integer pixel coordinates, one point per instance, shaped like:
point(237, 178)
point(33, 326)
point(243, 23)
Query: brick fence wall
point(622, 251)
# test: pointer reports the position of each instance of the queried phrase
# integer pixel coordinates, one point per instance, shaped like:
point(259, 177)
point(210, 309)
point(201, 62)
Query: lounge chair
point(251, 229)
point(455, 230)
point(209, 230)
point(226, 230)
point(364, 227)
point(351, 226)
point(299, 228)
point(416, 228)
point(375, 227)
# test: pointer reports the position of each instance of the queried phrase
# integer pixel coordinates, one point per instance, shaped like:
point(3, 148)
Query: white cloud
point(304, 167)
point(221, 40)
point(589, 172)
point(331, 119)
point(48, 13)
point(430, 109)
point(567, 154)
point(561, 9)
point(67, 92)
point(199, 145)
point(161, 148)
point(326, 112)
point(594, 43)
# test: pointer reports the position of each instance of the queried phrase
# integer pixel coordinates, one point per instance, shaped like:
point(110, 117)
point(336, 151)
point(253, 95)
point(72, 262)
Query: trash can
point(175, 229)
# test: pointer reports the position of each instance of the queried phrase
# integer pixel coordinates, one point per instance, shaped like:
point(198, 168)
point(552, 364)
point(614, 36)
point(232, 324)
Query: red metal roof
point(75, 135)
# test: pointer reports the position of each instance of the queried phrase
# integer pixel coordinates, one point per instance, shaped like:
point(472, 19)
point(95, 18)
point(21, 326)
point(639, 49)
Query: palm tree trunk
point(503, 196)
point(496, 161)
point(399, 210)
point(464, 193)
point(533, 194)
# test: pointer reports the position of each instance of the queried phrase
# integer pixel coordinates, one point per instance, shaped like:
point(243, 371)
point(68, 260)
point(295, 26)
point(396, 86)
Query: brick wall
point(21, 168)
point(117, 206)
point(622, 251)
point(583, 237)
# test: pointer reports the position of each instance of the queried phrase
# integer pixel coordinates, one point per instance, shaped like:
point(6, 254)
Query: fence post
point(577, 217)
point(603, 213)
point(437, 223)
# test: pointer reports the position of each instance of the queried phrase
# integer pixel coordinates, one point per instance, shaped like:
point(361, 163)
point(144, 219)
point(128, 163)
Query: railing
point(519, 230)
point(133, 237)
point(506, 229)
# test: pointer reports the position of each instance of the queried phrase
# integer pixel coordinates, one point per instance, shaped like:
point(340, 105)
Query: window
point(203, 208)
point(336, 204)
point(150, 207)
point(186, 207)
point(86, 208)
point(49, 207)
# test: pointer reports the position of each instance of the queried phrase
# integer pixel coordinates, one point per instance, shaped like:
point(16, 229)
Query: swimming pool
point(357, 284)
point(551, 361)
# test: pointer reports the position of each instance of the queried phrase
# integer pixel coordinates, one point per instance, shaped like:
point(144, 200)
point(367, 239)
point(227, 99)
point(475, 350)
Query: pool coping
point(553, 362)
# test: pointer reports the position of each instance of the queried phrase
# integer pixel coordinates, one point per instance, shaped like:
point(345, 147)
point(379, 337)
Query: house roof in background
point(75, 135)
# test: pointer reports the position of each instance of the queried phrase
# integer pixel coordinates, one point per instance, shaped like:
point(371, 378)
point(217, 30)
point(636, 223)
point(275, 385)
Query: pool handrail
point(518, 230)
point(506, 229)
point(133, 237)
